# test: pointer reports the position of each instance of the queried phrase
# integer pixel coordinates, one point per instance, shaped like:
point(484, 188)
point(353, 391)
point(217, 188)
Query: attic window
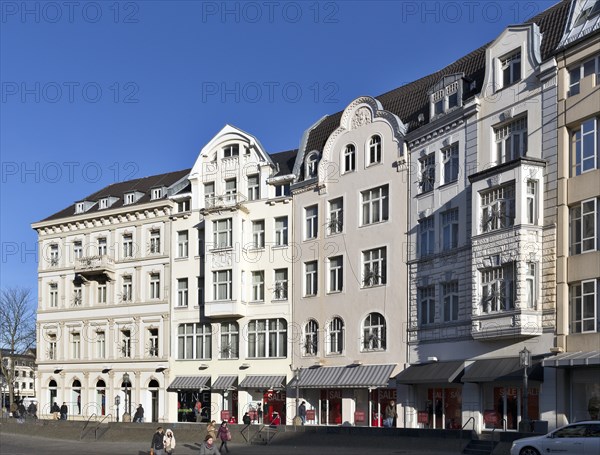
point(104, 203)
point(312, 161)
point(446, 99)
point(129, 198)
point(231, 150)
point(156, 193)
point(587, 14)
point(510, 67)
point(79, 207)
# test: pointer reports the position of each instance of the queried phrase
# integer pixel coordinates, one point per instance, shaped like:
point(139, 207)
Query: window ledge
point(335, 292)
point(181, 259)
point(181, 307)
point(374, 286)
point(279, 247)
point(221, 249)
point(279, 300)
point(448, 184)
point(373, 224)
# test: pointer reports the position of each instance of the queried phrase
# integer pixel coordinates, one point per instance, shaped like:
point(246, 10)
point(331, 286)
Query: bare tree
point(17, 330)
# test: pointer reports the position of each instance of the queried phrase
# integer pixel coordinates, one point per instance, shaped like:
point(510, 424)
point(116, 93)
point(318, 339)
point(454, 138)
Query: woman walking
point(209, 447)
point(225, 435)
point(169, 441)
point(211, 429)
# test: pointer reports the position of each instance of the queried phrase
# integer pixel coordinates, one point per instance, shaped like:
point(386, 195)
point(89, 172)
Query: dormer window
point(510, 67)
point(447, 97)
point(231, 150)
point(587, 14)
point(79, 207)
point(156, 193)
point(312, 161)
point(103, 203)
point(129, 198)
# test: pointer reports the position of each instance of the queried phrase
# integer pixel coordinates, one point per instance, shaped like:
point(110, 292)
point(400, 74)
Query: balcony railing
point(231, 201)
point(224, 308)
point(90, 266)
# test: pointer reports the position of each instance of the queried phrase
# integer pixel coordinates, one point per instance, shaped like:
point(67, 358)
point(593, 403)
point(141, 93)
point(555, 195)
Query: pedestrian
point(390, 414)
point(157, 446)
point(225, 435)
point(22, 410)
point(211, 429)
point(246, 419)
point(169, 441)
point(32, 410)
point(55, 410)
point(64, 410)
point(302, 412)
point(259, 412)
point(139, 414)
point(209, 447)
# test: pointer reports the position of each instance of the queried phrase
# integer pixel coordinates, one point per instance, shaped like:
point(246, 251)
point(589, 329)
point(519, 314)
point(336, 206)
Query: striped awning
point(432, 373)
point(189, 383)
point(573, 359)
point(225, 382)
point(263, 382)
point(351, 376)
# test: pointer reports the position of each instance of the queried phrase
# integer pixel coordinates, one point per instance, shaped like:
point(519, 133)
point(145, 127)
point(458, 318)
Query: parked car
point(580, 438)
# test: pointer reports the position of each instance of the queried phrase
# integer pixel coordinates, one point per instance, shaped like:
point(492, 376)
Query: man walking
point(64, 410)
point(302, 412)
point(390, 414)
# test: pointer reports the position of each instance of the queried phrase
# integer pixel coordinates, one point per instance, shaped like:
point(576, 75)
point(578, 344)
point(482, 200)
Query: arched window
point(52, 389)
point(375, 150)
point(311, 338)
point(335, 336)
point(349, 161)
point(374, 333)
point(76, 395)
point(312, 161)
point(101, 397)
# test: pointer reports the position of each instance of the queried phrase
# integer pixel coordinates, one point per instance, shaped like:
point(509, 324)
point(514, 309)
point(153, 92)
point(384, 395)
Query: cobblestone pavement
point(15, 444)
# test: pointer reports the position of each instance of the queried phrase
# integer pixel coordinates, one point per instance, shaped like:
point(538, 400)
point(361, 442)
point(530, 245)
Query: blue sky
point(98, 92)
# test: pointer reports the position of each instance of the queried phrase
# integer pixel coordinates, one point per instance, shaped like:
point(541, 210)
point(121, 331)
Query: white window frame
point(267, 338)
point(182, 292)
point(126, 344)
point(155, 286)
point(531, 189)
point(427, 236)
point(182, 244)
point(310, 346)
point(155, 241)
point(335, 223)
point(222, 285)
point(511, 140)
point(311, 166)
point(450, 160)
point(102, 246)
point(374, 267)
point(102, 291)
point(586, 150)
point(77, 295)
point(335, 336)
point(230, 341)
point(375, 205)
point(222, 233)
point(183, 206)
point(375, 155)
point(281, 231)
point(156, 193)
point(129, 198)
point(209, 194)
point(76, 345)
point(336, 274)
point(280, 291)
point(427, 302)
point(194, 341)
point(349, 158)
point(258, 286)
point(311, 271)
point(258, 234)
point(311, 222)
point(498, 208)
point(531, 285)
point(580, 241)
point(53, 288)
point(231, 150)
point(101, 344)
point(127, 245)
point(77, 249)
point(153, 342)
point(583, 69)
point(510, 68)
point(498, 289)
point(52, 347)
point(374, 333)
point(254, 187)
point(584, 302)
point(427, 173)
point(127, 294)
point(230, 190)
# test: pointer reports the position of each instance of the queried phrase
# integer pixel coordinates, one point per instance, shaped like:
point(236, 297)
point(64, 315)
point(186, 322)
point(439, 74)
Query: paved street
point(14, 444)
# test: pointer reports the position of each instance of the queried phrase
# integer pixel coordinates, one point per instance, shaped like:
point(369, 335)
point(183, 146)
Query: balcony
point(224, 308)
point(94, 267)
point(228, 201)
point(509, 324)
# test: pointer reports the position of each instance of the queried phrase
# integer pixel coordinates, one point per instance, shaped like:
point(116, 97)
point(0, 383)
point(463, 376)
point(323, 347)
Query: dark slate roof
point(410, 100)
point(143, 185)
point(285, 160)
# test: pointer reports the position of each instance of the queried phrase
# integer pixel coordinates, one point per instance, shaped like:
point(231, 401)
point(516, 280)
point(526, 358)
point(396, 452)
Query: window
point(336, 274)
point(281, 231)
point(183, 206)
point(80, 207)
point(156, 193)
point(445, 99)
point(584, 147)
point(267, 338)
point(497, 207)
point(77, 249)
point(209, 194)
point(510, 67)
point(102, 246)
point(258, 234)
point(103, 203)
point(427, 305)
point(349, 158)
point(127, 245)
point(127, 295)
point(427, 173)
point(222, 233)
point(450, 296)
point(583, 226)
point(194, 341)
point(126, 343)
point(76, 345)
point(231, 150)
point(258, 286)
point(182, 292)
point(335, 336)
point(77, 295)
point(311, 222)
point(129, 198)
point(54, 255)
point(511, 140)
point(450, 161)
point(222, 285)
point(374, 267)
point(53, 295)
point(530, 284)
point(182, 244)
point(282, 190)
point(312, 160)
point(449, 229)
point(281, 284)
point(52, 352)
point(311, 338)
point(100, 345)
point(497, 289)
point(336, 216)
point(426, 236)
point(230, 340)
point(155, 241)
point(154, 286)
point(310, 278)
point(375, 205)
point(583, 306)
point(153, 342)
point(375, 150)
point(101, 293)
point(230, 190)
point(531, 202)
point(587, 68)
point(374, 336)
point(253, 188)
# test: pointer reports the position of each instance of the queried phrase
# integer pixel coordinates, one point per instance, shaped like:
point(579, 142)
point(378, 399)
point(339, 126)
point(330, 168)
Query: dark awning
point(432, 373)
point(573, 359)
point(262, 382)
point(225, 382)
point(189, 383)
point(502, 369)
point(351, 376)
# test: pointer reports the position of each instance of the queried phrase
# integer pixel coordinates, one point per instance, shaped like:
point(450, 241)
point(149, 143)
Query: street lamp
point(525, 362)
point(127, 401)
point(117, 403)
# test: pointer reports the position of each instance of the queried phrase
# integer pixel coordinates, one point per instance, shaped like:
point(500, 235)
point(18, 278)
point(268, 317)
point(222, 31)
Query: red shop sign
point(359, 416)
point(310, 414)
point(422, 417)
point(490, 417)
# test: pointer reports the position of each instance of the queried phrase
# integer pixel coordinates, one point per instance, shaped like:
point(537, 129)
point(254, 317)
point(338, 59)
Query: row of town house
point(409, 250)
